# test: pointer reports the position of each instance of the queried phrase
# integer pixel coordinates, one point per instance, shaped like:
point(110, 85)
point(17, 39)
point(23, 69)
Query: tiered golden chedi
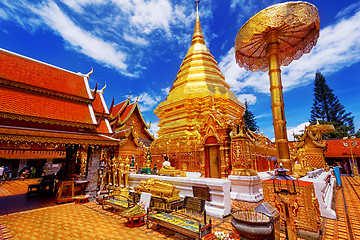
point(198, 90)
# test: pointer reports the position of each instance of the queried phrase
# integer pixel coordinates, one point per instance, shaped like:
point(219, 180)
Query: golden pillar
point(277, 101)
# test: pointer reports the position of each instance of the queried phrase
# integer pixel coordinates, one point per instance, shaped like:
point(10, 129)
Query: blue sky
point(138, 46)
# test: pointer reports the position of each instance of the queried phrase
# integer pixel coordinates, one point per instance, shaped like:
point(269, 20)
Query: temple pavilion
point(131, 129)
point(49, 113)
point(198, 114)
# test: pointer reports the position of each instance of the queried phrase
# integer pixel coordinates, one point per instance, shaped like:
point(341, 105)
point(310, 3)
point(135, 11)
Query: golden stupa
point(199, 90)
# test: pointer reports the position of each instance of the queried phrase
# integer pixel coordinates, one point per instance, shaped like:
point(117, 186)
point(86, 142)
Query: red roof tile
point(103, 127)
point(127, 112)
point(118, 108)
point(30, 72)
point(97, 104)
point(336, 148)
point(36, 105)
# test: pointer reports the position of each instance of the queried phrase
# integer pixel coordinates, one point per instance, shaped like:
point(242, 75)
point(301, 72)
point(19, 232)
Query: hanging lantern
point(283, 183)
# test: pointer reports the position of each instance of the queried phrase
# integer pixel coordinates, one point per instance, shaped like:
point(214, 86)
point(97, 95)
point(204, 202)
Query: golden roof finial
point(102, 90)
point(88, 75)
point(198, 37)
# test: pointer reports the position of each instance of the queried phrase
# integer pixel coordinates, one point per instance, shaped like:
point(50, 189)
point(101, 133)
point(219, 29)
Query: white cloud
point(107, 30)
point(3, 14)
point(151, 15)
point(79, 4)
point(250, 98)
point(337, 47)
point(240, 79)
point(299, 129)
point(135, 39)
point(348, 10)
point(263, 115)
point(245, 6)
point(166, 90)
point(146, 101)
point(154, 128)
point(80, 39)
point(179, 13)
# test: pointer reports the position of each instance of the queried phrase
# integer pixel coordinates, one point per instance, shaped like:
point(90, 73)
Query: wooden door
point(214, 161)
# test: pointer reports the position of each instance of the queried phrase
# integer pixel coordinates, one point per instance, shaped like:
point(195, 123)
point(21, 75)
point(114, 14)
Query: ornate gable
point(214, 125)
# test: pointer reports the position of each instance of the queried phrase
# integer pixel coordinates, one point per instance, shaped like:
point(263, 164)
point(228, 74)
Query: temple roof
point(34, 107)
point(335, 148)
point(124, 110)
point(42, 76)
point(104, 127)
point(120, 115)
point(99, 103)
point(44, 103)
point(119, 108)
point(129, 109)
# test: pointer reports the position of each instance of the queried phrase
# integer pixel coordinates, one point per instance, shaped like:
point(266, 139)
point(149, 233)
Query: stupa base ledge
point(246, 188)
point(216, 211)
point(247, 197)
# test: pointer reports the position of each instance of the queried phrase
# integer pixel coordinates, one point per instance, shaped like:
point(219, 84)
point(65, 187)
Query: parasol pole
point(277, 101)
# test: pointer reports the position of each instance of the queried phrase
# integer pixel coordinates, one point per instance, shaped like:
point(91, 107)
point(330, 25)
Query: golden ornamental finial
point(197, 36)
point(88, 75)
point(102, 90)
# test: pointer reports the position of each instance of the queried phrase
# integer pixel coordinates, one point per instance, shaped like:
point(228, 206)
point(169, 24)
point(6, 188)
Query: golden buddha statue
point(299, 162)
point(125, 171)
point(159, 189)
point(183, 172)
point(167, 169)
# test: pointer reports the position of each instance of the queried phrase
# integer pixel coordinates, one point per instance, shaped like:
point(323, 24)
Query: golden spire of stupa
point(198, 86)
point(198, 37)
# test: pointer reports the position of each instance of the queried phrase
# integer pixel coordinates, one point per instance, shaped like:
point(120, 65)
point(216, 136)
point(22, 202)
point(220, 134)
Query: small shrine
point(249, 151)
point(130, 128)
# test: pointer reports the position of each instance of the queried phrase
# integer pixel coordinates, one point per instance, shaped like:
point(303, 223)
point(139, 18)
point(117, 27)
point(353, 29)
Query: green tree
point(358, 133)
point(249, 118)
point(328, 109)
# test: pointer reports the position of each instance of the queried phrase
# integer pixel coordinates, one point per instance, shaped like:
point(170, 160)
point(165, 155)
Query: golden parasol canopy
point(297, 25)
point(320, 128)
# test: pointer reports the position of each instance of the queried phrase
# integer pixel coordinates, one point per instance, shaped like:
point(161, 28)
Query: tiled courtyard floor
point(36, 218)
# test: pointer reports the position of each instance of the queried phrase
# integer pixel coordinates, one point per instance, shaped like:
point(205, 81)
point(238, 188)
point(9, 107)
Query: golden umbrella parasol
point(273, 37)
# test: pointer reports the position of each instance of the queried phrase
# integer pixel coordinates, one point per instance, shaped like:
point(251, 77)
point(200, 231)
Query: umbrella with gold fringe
point(272, 38)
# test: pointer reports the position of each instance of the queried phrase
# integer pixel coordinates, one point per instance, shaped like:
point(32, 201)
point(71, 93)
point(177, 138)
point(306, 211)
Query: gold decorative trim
point(57, 140)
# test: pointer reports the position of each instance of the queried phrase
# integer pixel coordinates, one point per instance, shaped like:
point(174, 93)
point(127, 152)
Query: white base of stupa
point(324, 188)
point(246, 188)
point(220, 203)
